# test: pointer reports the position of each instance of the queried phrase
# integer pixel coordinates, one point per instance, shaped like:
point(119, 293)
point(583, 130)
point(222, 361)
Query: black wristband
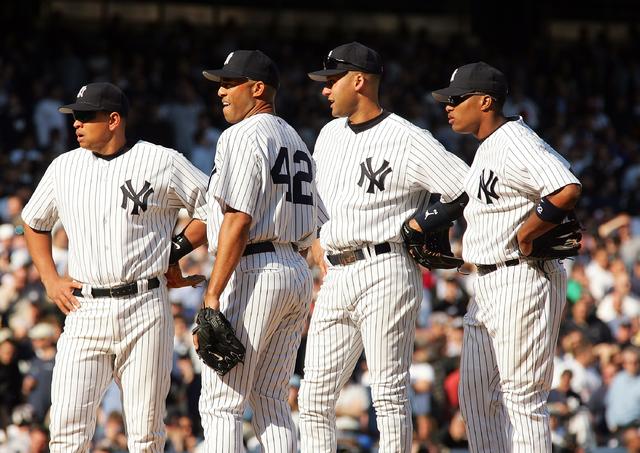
point(440, 215)
point(549, 212)
point(180, 246)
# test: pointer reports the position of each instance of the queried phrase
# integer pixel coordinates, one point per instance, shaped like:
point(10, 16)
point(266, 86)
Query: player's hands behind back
point(175, 279)
point(429, 249)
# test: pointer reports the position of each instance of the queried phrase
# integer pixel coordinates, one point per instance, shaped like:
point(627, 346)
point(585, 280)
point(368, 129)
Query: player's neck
point(112, 147)
point(365, 113)
point(490, 124)
point(261, 107)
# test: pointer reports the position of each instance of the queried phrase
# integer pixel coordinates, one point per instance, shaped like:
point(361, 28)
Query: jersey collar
point(361, 127)
point(118, 153)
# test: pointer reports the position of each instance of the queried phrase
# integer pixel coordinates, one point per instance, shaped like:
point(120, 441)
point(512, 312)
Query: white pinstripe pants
point(267, 303)
point(129, 339)
point(370, 304)
point(510, 335)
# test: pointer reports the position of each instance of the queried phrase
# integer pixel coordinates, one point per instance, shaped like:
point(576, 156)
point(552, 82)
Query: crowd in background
point(582, 96)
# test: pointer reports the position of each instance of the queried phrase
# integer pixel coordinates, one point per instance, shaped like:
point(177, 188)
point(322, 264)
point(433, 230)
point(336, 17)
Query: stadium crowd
point(582, 96)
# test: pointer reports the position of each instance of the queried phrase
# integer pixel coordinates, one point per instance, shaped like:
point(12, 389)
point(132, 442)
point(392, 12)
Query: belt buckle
point(123, 290)
point(348, 257)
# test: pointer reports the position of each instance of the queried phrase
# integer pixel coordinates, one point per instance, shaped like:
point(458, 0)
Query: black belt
point(262, 247)
point(484, 269)
point(258, 247)
point(128, 289)
point(351, 256)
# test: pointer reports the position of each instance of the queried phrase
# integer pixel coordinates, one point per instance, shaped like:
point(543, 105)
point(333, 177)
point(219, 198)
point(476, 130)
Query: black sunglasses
point(84, 116)
point(455, 101)
point(332, 63)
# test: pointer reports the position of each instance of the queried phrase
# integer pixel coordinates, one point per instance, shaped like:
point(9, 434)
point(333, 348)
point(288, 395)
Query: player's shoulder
point(517, 135)
point(73, 155)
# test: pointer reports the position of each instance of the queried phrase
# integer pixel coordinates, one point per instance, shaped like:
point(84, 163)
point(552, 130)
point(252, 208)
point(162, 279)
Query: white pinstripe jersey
point(512, 169)
point(373, 176)
point(263, 168)
point(119, 213)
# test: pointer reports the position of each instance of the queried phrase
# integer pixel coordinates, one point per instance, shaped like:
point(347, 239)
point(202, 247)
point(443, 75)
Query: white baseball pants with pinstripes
point(129, 339)
point(267, 302)
point(510, 335)
point(370, 304)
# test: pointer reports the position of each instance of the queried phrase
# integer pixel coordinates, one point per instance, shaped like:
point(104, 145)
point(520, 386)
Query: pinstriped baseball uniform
point(119, 214)
point(512, 323)
point(264, 169)
point(371, 177)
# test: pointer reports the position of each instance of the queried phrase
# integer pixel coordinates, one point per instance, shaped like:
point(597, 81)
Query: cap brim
point(444, 94)
point(322, 75)
point(78, 107)
point(216, 75)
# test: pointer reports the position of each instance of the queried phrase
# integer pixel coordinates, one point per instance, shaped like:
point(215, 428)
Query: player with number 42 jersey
point(273, 171)
point(262, 209)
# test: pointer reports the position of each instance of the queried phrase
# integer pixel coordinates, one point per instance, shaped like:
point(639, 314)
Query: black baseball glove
point(560, 242)
point(430, 249)
point(218, 346)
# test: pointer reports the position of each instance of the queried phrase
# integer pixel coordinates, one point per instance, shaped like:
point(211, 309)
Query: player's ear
point(115, 120)
point(358, 81)
point(488, 103)
point(257, 89)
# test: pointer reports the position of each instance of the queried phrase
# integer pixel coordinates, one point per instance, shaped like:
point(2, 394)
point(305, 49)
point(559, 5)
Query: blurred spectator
point(583, 319)
point(623, 397)
point(37, 383)
point(10, 378)
point(600, 277)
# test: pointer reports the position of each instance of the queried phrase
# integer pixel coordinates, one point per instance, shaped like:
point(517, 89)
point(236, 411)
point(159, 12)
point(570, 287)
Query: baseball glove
point(218, 346)
point(430, 249)
point(175, 279)
point(560, 242)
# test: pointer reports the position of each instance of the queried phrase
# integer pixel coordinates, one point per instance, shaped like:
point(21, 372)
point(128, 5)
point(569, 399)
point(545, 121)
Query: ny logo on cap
point(228, 58)
point(453, 76)
point(81, 92)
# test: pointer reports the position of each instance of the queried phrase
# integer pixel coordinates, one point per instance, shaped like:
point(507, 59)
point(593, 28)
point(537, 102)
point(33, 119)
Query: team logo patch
point(228, 58)
point(81, 92)
point(376, 177)
point(453, 76)
point(487, 186)
point(139, 199)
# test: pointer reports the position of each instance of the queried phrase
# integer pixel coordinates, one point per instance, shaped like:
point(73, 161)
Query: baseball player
point(262, 206)
point(118, 205)
point(519, 188)
point(375, 169)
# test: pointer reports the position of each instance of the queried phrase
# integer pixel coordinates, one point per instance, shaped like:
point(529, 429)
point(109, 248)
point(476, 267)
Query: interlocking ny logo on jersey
point(488, 187)
point(376, 178)
point(139, 198)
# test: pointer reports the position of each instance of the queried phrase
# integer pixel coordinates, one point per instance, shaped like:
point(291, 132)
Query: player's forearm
point(196, 232)
point(232, 240)
point(39, 245)
point(565, 199)
point(439, 215)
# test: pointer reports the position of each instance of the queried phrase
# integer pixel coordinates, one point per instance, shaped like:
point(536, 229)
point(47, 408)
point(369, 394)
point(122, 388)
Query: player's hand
point(175, 279)
point(317, 253)
point(60, 291)
point(210, 301)
point(524, 245)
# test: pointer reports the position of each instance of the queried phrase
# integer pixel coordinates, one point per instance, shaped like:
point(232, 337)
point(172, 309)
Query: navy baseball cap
point(476, 77)
point(249, 64)
point(349, 57)
point(100, 96)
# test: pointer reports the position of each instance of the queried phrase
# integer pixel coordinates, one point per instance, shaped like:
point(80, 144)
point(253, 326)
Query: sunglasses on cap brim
point(332, 63)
